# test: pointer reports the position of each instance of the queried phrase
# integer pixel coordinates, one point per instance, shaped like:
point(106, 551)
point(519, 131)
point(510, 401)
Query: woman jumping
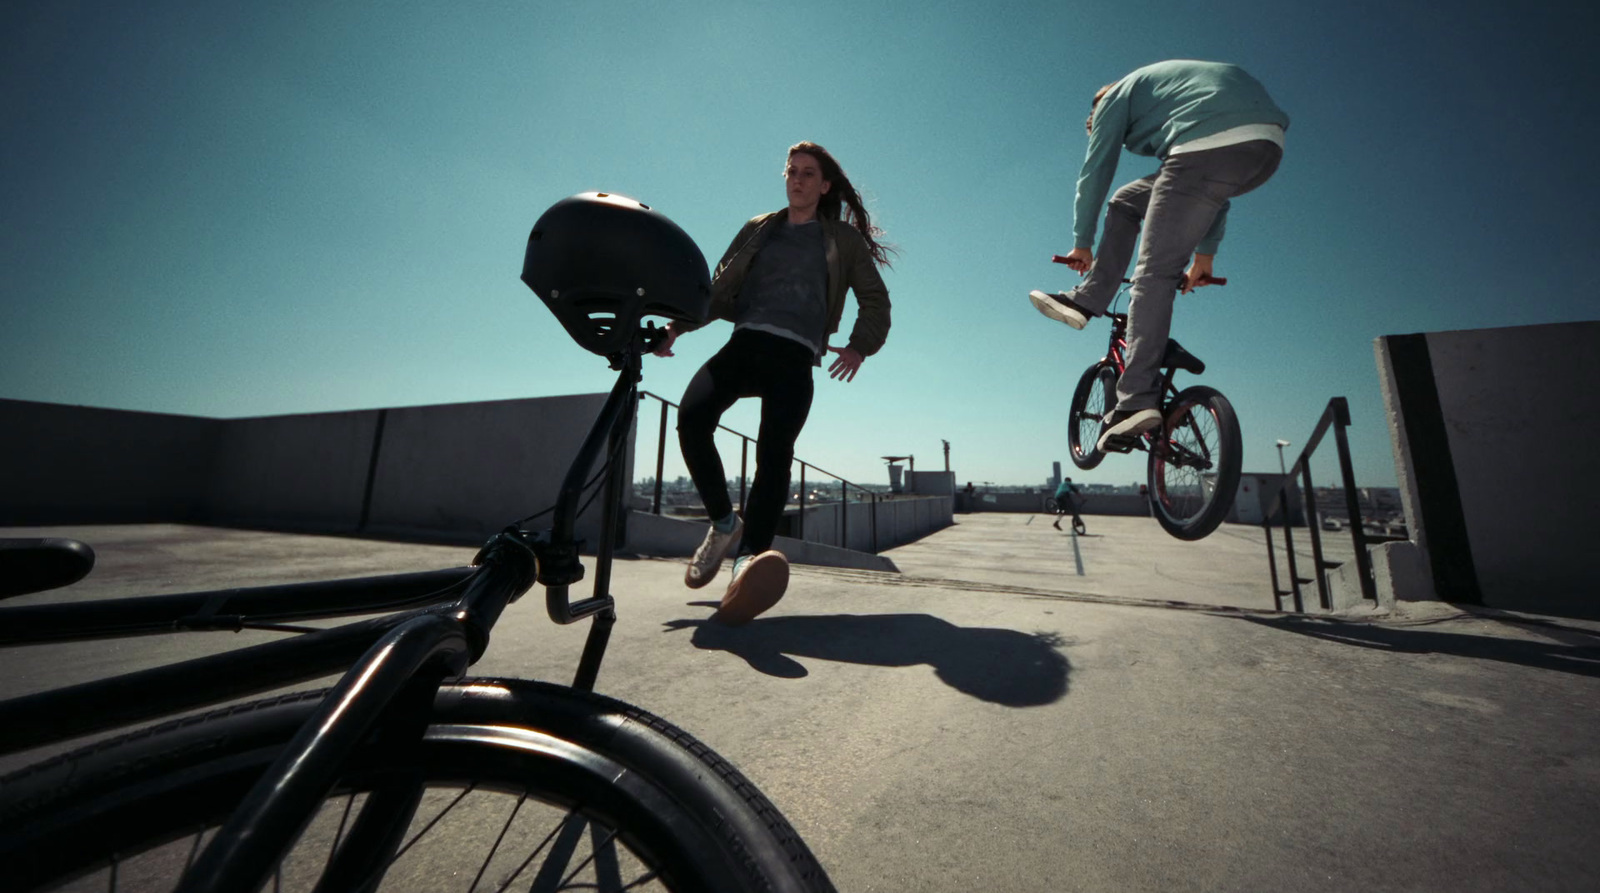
point(782, 284)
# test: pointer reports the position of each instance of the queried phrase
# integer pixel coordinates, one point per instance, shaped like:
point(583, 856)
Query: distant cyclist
point(782, 283)
point(1067, 500)
point(1218, 135)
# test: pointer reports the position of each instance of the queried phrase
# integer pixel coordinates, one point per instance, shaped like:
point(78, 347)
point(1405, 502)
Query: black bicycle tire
point(1086, 456)
point(708, 827)
point(1230, 449)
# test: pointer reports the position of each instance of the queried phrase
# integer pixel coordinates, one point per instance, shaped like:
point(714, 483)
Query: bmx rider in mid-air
point(1218, 135)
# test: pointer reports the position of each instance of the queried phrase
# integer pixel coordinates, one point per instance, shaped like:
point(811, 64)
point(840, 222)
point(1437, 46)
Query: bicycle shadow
point(1001, 666)
point(1572, 657)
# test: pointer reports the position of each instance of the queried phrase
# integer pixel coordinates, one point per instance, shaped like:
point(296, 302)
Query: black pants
point(751, 364)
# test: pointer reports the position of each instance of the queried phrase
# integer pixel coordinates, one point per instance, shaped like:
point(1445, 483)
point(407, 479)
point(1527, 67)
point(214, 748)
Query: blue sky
point(297, 207)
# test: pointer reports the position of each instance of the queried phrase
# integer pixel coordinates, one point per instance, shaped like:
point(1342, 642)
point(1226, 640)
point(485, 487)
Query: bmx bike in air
point(1194, 455)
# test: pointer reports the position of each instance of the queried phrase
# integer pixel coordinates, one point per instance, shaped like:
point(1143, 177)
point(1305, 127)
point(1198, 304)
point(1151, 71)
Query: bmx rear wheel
point(1194, 464)
point(1091, 400)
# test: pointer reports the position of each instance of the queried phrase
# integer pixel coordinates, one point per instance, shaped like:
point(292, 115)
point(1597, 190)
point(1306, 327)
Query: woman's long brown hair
point(841, 195)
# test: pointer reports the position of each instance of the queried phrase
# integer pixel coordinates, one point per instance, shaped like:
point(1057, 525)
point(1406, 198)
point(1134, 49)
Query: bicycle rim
point(502, 807)
point(1093, 397)
point(1194, 470)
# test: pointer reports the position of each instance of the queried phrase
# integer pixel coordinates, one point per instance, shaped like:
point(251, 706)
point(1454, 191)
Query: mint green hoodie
point(1155, 108)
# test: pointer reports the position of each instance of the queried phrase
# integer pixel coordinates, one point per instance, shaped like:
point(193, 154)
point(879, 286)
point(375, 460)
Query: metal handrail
point(1336, 416)
point(744, 464)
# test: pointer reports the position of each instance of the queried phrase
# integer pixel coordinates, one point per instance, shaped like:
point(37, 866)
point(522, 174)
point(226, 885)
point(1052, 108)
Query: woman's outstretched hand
point(845, 364)
point(664, 349)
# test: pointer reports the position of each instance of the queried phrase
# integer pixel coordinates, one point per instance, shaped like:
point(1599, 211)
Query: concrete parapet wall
point(1492, 430)
point(665, 537)
point(468, 469)
point(1093, 503)
point(897, 521)
point(297, 472)
point(454, 472)
point(83, 465)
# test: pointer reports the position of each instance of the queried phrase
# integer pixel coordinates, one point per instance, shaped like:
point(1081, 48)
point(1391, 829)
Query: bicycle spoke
point(497, 840)
point(338, 834)
point(193, 851)
point(548, 838)
point(1186, 476)
point(548, 880)
point(452, 805)
point(593, 852)
point(646, 878)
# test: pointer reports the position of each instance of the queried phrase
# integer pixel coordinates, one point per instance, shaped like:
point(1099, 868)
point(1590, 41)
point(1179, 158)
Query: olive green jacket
point(850, 266)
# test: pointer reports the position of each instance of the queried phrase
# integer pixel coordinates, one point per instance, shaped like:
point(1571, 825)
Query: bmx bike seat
point(1176, 357)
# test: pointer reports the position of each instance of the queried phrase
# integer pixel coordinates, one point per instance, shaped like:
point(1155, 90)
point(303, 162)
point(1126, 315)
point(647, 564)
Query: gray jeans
point(1176, 206)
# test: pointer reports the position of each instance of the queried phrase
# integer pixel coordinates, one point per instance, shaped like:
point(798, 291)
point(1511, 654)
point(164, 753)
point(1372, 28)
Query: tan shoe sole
point(757, 588)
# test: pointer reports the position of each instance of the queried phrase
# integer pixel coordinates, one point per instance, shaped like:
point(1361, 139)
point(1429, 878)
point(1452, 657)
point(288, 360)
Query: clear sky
point(248, 209)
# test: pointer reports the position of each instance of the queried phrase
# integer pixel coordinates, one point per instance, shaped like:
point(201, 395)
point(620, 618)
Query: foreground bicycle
point(1196, 453)
point(404, 775)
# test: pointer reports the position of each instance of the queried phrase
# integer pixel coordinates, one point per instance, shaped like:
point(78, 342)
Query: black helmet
point(601, 261)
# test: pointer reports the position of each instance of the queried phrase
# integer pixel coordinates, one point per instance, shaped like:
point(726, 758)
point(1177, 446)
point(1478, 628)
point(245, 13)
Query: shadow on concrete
point(1579, 659)
point(1001, 666)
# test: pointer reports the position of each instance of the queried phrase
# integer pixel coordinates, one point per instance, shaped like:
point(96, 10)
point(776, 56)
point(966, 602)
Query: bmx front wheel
point(1091, 400)
point(1194, 463)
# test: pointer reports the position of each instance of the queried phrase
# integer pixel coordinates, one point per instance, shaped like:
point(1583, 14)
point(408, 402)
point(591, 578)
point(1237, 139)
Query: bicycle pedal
point(1121, 443)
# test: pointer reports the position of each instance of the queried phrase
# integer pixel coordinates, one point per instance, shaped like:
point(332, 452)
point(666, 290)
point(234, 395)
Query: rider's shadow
point(1001, 666)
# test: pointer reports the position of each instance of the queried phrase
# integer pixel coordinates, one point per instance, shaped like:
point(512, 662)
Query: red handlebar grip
point(1058, 258)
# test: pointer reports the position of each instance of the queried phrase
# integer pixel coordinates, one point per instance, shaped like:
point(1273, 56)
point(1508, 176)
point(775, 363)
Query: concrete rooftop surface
point(987, 719)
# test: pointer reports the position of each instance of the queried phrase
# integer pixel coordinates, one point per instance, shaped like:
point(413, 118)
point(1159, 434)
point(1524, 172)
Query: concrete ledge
point(823, 555)
point(675, 538)
point(1400, 571)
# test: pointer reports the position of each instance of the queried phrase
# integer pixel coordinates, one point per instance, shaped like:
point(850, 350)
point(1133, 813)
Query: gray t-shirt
point(785, 290)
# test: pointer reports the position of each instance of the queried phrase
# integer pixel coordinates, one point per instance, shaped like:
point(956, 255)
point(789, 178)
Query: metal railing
point(744, 466)
point(1336, 416)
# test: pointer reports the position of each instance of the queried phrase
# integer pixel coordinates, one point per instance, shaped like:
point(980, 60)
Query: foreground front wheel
point(1194, 463)
point(515, 785)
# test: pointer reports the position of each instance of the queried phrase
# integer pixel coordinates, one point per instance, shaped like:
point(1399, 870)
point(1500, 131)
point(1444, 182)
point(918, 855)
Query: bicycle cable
point(610, 459)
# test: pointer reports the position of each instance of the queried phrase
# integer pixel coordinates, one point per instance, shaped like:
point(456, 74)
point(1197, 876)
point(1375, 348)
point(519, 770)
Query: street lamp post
point(1281, 445)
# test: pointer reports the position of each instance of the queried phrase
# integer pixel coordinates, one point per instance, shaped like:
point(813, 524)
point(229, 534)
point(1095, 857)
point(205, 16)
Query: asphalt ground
point(988, 719)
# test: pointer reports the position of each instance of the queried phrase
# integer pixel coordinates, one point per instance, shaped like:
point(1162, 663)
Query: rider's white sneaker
point(708, 558)
point(1061, 308)
point(1128, 423)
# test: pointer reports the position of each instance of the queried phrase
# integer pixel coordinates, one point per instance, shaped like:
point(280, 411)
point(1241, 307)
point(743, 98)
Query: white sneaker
point(758, 583)
point(1060, 308)
point(1128, 424)
point(708, 558)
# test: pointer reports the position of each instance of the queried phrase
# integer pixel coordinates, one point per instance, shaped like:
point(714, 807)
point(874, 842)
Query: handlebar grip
point(1058, 258)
